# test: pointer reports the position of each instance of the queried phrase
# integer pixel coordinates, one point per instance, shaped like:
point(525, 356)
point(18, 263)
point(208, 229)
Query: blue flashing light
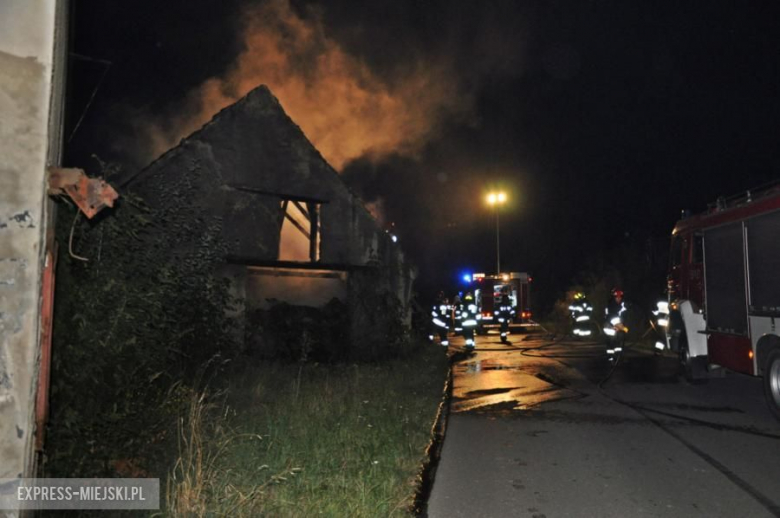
point(467, 277)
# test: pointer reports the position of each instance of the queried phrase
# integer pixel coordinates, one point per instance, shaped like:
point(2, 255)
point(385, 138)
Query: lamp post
point(496, 199)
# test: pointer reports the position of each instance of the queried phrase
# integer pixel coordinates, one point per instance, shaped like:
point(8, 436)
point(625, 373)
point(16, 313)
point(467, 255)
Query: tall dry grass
point(305, 439)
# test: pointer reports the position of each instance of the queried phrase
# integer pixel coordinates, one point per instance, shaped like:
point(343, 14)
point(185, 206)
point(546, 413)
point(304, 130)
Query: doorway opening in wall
point(299, 238)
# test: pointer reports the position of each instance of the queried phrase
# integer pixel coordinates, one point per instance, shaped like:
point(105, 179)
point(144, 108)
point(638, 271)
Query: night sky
point(601, 119)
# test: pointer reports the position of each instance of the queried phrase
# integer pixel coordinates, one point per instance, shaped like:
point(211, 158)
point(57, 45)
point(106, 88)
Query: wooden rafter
point(298, 226)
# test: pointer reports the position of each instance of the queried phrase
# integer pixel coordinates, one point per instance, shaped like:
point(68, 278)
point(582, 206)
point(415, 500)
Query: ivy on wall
point(144, 314)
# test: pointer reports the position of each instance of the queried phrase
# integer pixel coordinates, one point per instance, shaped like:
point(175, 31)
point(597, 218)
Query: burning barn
point(293, 231)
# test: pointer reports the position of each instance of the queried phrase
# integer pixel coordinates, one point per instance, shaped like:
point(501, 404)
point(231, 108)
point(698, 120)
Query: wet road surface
point(548, 428)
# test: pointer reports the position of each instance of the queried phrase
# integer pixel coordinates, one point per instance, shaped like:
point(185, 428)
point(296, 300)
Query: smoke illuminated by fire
point(344, 108)
point(377, 209)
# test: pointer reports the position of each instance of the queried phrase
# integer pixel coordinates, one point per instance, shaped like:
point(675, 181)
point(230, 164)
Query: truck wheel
point(772, 382)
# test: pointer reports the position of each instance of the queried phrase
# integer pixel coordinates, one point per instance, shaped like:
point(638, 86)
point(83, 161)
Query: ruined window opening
point(299, 238)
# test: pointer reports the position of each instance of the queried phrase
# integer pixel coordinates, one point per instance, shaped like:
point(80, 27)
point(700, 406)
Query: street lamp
point(496, 199)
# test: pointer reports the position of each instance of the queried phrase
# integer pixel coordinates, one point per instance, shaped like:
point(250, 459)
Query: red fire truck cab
point(487, 293)
point(723, 288)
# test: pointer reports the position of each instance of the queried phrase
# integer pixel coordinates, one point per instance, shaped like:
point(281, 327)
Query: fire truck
point(723, 287)
point(487, 293)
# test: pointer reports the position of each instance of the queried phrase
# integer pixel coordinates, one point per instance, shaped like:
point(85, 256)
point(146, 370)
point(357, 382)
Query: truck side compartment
point(724, 284)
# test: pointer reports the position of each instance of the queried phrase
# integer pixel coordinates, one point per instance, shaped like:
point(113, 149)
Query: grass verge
point(310, 440)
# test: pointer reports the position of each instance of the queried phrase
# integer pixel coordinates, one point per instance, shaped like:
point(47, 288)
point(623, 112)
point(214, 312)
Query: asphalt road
point(549, 428)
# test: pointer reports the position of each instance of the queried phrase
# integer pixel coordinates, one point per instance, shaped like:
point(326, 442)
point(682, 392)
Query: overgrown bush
point(300, 333)
point(377, 330)
point(369, 328)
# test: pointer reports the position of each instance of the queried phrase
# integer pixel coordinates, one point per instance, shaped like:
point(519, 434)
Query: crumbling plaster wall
point(30, 135)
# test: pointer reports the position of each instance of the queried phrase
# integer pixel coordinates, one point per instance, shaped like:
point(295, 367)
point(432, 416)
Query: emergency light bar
point(503, 276)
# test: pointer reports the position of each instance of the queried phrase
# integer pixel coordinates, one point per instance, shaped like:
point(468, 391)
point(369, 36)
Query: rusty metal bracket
point(91, 195)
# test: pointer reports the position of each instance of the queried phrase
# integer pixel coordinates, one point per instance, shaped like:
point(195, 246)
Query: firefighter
point(504, 312)
point(469, 320)
point(581, 311)
point(614, 327)
point(440, 316)
point(457, 317)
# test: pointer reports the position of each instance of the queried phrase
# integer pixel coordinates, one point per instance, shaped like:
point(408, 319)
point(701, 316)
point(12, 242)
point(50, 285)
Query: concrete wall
point(30, 135)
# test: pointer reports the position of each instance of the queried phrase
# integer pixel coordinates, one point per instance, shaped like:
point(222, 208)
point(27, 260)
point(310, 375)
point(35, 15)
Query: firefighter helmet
point(617, 292)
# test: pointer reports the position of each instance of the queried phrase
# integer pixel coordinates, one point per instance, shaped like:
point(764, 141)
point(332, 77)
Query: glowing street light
point(496, 199)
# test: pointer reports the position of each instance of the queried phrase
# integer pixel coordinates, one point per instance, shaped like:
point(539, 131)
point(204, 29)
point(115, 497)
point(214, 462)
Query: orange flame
point(345, 109)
